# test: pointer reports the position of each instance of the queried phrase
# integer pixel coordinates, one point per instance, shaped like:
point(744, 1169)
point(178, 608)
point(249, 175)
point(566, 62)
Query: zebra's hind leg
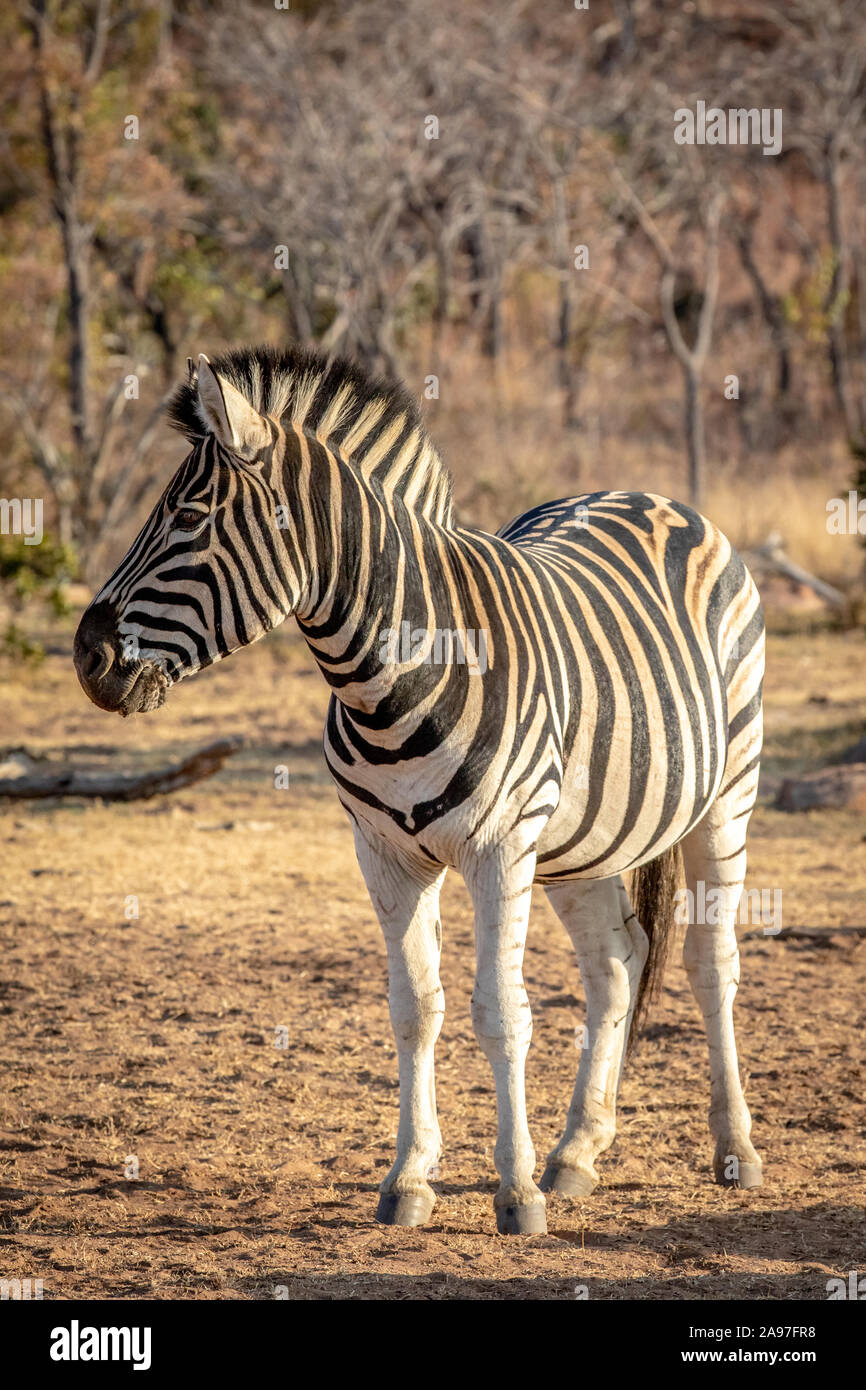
point(406, 899)
point(611, 949)
point(714, 856)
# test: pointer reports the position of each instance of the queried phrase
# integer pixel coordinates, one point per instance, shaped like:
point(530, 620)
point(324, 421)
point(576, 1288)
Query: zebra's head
point(211, 569)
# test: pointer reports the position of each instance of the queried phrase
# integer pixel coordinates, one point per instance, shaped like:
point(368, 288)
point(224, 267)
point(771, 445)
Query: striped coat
point(622, 639)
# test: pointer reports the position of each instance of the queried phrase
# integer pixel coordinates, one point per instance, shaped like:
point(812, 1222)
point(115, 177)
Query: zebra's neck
point(392, 622)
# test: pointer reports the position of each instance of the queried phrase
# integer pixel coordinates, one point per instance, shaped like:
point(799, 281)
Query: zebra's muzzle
point(147, 692)
point(109, 679)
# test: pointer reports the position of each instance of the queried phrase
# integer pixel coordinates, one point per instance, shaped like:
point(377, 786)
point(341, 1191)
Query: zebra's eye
point(187, 519)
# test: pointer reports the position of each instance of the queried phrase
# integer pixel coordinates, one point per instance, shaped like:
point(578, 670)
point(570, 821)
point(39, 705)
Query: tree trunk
point(771, 310)
point(491, 333)
point(837, 348)
point(298, 321)
point(566, 306)
point(440, 303)
point(694, 421)
point(61, 143)
point(692, 359)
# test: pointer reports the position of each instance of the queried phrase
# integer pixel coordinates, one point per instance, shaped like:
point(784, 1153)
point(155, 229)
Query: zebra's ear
point(228, 415)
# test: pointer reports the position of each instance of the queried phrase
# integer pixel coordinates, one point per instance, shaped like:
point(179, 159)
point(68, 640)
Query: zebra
point(614, 726)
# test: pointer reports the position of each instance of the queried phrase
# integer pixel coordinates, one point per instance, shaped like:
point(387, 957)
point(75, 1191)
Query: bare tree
point(770, 303)
point(692, 358)
point(94, 472)
point(61, 138)
point(822, 59)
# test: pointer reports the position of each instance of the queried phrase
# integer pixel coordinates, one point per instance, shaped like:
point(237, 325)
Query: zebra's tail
point(653, 895)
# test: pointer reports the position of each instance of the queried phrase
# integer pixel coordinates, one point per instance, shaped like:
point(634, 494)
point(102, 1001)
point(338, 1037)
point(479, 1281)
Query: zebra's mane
point(375, 424)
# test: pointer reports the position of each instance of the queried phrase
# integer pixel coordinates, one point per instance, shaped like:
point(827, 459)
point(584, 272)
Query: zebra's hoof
point(733, 1172)
point(405, 1208)
point(528, 1219)
point(568, 1182)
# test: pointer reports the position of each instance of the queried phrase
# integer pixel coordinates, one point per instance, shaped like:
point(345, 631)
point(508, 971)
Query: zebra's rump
point(660, 617)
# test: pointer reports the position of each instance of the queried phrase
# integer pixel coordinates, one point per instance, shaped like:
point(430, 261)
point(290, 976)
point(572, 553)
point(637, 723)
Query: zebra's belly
point(592, 832)
point(603, 850)
point(605, 824)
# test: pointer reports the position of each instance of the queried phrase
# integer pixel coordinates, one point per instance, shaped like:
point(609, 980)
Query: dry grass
point(796, 507)
point(514, 453)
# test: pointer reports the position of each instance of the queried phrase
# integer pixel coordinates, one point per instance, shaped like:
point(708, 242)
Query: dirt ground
point(153, 1037)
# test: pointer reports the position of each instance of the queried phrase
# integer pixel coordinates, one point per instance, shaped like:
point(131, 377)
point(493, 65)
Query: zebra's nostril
point(99, 662)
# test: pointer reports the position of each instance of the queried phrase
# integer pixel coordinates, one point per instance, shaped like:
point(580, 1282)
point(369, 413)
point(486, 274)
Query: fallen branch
point(120, 786)
point(809, 933)
point(771, 558)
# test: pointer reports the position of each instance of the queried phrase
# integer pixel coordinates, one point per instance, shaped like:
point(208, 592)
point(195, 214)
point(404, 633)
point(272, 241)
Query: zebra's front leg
point(500, 884)
point(611, 948)
point(406, 899)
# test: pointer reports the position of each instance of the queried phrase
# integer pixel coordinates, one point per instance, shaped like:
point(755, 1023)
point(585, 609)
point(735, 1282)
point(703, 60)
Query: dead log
point(833, 788)
point(770, 559)
point(822, 935)
point(114, 786)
